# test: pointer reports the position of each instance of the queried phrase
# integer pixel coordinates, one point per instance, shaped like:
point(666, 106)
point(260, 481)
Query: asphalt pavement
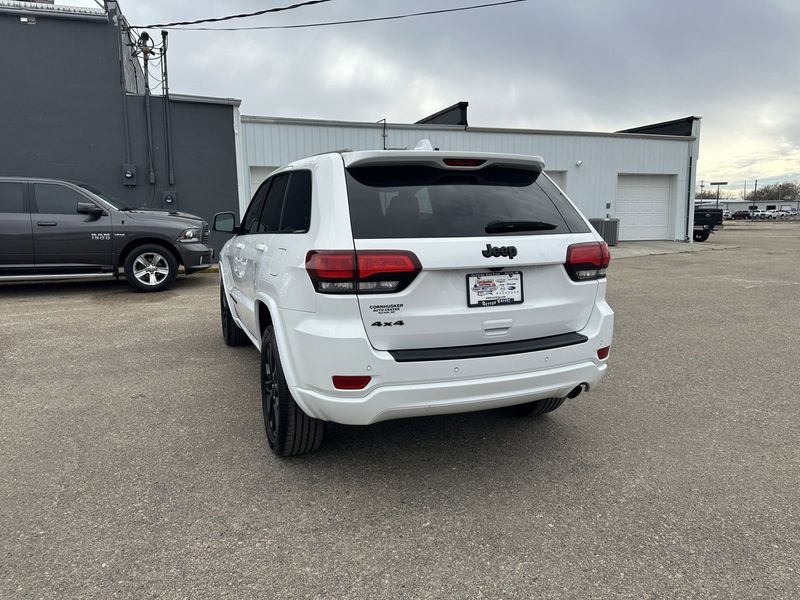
point(133, 461)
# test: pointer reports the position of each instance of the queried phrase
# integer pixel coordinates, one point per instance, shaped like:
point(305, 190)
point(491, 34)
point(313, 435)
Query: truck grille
point(204, 236)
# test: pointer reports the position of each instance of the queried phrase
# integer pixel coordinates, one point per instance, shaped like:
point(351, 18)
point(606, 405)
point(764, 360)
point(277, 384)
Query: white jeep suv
point(387, 284)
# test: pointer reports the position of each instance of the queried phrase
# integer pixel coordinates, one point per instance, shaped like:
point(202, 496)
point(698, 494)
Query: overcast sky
point(597, 65)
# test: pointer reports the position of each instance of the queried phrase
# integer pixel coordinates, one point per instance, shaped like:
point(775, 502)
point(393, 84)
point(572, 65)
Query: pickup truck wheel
point(150, 268)
point(231, 332)
point(701, 236)
point(290, 431)
point(536, 409)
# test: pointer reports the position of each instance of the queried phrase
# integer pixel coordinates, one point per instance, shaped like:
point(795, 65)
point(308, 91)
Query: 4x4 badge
point(509, 251)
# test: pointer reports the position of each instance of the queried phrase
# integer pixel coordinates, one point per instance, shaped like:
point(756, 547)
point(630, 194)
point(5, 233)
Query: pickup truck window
point(53, 199)
point(11, 197)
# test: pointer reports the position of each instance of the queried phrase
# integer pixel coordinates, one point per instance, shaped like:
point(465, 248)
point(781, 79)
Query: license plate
point(493, 289)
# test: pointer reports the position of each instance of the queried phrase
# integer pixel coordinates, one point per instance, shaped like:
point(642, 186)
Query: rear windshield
point(413, 201)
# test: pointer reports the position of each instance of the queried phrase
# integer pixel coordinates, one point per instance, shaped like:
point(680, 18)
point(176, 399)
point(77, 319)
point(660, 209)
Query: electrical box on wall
point(169, 200)
point(129, 174)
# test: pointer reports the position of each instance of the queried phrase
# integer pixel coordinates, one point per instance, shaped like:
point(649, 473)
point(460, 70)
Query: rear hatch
point(490, 235)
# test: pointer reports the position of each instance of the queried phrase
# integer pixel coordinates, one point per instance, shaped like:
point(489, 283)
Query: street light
point(717, 183)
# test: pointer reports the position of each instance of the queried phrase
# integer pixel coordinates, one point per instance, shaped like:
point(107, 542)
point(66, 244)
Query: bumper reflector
point(351, 382)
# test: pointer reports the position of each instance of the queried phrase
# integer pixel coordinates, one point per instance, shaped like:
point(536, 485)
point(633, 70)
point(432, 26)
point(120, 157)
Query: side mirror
point(225, 222)
point(89, 208)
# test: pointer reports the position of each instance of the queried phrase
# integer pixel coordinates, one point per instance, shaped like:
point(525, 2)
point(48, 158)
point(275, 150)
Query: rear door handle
point(46, 223)
point(261, 247)
point(239, 246)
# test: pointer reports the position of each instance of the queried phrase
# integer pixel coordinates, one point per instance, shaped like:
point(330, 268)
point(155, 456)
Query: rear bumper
point(409, 389)
point(459, 395)
point(195, 257)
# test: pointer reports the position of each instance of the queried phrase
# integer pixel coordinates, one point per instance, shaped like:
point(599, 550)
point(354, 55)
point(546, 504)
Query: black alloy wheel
point(290, 431)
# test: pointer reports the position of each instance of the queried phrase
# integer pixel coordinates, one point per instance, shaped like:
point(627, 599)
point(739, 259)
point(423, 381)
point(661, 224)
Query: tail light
point(587, 261)
point(364, 272)
point(602, 353)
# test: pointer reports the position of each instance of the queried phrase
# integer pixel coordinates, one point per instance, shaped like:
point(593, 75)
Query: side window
point(252, 218)
point(12, 199)
point(271, 217)
point(54, 199)
point(296, 216)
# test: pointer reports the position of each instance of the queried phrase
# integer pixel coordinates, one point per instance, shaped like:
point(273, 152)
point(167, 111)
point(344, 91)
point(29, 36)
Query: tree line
point(787, 191)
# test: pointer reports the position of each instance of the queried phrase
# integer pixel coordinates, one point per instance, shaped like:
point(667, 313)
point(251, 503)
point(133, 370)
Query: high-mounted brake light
point(366, 271)
point(587, 261)
point(463, 162)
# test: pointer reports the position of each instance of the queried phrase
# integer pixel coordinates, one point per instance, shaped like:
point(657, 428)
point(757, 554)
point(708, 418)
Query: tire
point(231, 332)
point(701, 236)
point(150, 268)
point(290, 431)
point(536, 409)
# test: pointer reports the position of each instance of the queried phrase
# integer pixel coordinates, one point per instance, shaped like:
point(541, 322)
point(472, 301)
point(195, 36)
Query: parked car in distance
point(759, 214)
point(388, 284)
point(741, 214)
point(54, 229)
point(707, 220)
point(726, 214)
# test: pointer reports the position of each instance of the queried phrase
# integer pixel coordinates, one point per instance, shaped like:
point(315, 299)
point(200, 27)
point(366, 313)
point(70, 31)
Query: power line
point(347, 22)
point(229, 17)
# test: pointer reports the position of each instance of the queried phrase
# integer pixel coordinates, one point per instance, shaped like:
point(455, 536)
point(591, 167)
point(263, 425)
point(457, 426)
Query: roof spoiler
point(456, 161)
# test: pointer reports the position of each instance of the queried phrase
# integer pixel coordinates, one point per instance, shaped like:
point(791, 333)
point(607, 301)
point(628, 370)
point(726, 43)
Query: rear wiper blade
point(507, 226)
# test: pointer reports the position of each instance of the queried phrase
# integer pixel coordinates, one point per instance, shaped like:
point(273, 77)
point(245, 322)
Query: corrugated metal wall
point(592, 184)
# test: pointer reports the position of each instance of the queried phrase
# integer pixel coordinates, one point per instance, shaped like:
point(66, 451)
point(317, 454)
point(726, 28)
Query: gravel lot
point(133, 461)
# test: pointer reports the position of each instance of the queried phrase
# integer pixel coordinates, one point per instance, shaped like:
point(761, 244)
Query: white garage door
point(642, 207)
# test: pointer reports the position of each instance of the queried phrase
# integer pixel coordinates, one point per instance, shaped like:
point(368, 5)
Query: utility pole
point(755, 189)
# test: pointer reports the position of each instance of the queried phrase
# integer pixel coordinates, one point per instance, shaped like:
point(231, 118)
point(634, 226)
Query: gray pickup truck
point(53, 229)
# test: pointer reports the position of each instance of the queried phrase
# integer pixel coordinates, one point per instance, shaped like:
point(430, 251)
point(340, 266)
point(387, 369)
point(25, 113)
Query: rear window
point(413, 201)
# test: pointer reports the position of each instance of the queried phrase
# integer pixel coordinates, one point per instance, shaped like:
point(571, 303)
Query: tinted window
point(425, 202)
point(271, 217)
point(571, 216)
point(296, 215)
point(11, 197)
point(252, 218)
point(54, 199)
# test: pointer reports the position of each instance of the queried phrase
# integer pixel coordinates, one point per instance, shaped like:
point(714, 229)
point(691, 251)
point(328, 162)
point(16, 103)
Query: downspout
point(151, 173)
point(167, 110)
point(125, 122)
point(689, 200)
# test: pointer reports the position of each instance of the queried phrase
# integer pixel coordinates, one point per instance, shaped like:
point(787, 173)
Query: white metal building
point(646, 180)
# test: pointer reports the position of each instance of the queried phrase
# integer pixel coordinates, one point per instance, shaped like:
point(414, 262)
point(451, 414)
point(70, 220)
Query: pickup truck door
point(63, 239)
point(16, 235)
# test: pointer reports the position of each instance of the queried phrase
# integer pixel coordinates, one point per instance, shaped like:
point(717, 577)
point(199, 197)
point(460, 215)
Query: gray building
point(73, 106)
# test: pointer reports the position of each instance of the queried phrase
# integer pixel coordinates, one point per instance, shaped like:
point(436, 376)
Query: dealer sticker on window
point(492, 289)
